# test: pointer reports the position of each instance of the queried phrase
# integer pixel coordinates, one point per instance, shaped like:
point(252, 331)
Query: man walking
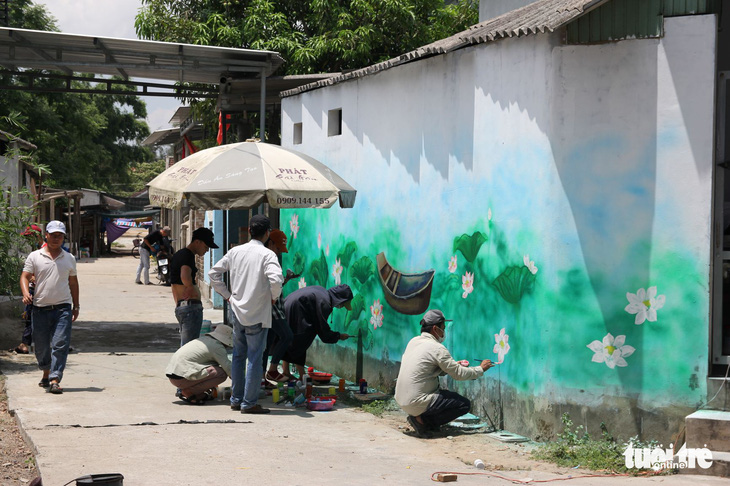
point(55, 304)
point(188, 306)
point(147, 248)
point(256, 280)
point(417, 389)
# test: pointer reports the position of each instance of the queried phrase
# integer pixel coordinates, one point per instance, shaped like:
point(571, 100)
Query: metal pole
point(262, 118)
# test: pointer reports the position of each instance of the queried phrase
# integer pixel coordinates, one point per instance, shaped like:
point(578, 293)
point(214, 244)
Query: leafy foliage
point(514, 282)
point(345, 255)
point(576, 448)
point(363, 269)
point(87, 140)
point(319, 270)
point(358, 305)
point(299, 263)
point(469, 245)
point(313, 36)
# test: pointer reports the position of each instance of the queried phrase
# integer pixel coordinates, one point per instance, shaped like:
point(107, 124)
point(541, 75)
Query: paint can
point(331, 391)
point(342, 385)
point(363, 386)
point(479, 464)
point(275, 395)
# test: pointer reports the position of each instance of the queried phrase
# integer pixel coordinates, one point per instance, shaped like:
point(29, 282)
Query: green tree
point(313, 36)
point(87, 140)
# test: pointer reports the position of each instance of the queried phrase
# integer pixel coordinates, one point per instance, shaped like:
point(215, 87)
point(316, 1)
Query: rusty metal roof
point(538, 17)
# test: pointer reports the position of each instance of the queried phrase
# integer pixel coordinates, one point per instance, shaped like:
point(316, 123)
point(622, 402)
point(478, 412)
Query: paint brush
point(494, 363)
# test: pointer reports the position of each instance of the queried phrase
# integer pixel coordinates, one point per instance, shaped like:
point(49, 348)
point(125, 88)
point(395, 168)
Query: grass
point(575, 448)
point(379, 407)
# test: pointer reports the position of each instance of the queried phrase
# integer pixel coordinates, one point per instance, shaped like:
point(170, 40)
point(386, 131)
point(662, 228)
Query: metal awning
point(21, 50)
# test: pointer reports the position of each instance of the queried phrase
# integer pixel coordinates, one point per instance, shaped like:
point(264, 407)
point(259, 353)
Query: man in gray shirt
point(417, 389)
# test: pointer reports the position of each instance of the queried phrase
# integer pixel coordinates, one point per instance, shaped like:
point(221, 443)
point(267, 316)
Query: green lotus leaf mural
point(320, 270)
point(299, 263)
point(469, 245)
point(358, 305)
point(514, 282)
point(345, 255)
point(362, 269)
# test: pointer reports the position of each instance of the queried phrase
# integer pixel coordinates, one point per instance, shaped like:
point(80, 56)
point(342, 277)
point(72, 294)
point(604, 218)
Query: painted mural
point(569, 245)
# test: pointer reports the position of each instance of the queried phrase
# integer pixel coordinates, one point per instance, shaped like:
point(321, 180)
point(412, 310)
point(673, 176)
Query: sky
point(109, 18)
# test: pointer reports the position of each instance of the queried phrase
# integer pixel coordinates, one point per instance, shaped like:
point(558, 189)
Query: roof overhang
point(22, 50)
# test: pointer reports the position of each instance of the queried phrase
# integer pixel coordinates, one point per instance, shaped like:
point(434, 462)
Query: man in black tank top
point(188, 307)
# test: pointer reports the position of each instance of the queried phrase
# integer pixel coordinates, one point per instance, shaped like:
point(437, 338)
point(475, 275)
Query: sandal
point(191, 400)
point(55, 388)
point(277, 377)
point(44, 383)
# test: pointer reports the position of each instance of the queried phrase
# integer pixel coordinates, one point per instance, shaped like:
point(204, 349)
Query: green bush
point(575, 448)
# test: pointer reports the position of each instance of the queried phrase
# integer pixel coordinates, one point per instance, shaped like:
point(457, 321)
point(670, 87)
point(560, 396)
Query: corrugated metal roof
point(130, 58)
point(538, 17)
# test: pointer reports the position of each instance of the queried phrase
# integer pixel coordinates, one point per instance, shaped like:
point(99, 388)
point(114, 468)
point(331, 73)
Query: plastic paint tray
point(319, 405)
point(320, 378)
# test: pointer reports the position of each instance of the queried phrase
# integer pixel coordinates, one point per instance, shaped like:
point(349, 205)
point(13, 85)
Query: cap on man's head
point(259, 224)
point(166, 229)
point(56, 227)
point(205, 235)
point(31, 230)
point(433, 318)
point(279, 239)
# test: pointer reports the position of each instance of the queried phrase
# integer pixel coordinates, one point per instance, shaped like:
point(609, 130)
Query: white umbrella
point(244, 175)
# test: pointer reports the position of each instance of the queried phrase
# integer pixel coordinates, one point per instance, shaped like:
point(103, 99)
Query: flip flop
point(191, 400)
point(55, 388)
point(277, 377)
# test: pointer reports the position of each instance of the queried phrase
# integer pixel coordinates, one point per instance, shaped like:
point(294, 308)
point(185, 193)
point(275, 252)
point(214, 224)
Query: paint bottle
point(331, 391)
point(290, 389)
point(275, 395)
point(342, 385)
point(363, 386)
point(308, 391)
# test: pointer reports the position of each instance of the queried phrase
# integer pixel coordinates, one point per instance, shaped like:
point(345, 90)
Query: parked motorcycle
point(163, 256)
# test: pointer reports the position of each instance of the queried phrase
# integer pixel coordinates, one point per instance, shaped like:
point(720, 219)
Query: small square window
point(334, 122)
point(297, 133)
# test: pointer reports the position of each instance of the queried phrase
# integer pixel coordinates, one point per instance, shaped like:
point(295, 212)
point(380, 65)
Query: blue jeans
point(144, 264)
point(52, 337)
point(190, 318)
point(248, 343)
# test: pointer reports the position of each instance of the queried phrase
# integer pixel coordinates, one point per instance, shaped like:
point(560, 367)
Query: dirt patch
point(467, 446)
point(17, 461)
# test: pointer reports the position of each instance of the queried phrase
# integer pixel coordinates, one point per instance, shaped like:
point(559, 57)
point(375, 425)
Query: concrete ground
point(118, 414)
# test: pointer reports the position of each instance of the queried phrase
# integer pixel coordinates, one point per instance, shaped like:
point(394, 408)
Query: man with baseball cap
point(417, 389)
point(188, 306)
point(55, 304)
point(256, 278)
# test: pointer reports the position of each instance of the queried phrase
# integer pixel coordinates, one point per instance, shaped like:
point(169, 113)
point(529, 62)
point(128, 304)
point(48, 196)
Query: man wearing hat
point(201, 365)
point(148, 248)
point(188, 306)
point(417, 389)
point(55, 304)
point(255, 278)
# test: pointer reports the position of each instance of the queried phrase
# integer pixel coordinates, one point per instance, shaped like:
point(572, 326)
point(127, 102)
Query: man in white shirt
point(256, 279)
point(55, 304)
point(417, 389)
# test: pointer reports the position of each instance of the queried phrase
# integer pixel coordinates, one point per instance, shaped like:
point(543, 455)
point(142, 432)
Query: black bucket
point(110, 479)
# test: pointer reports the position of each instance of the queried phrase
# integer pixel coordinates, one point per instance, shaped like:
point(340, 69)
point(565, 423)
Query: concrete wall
point(562, 194)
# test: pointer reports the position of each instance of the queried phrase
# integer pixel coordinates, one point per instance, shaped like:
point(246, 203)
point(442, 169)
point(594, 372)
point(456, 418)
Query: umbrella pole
point(225, 276)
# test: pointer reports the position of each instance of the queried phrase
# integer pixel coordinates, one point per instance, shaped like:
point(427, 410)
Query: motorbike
point(162, 256)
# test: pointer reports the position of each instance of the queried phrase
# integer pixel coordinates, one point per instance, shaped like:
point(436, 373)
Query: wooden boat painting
point(406, 293)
